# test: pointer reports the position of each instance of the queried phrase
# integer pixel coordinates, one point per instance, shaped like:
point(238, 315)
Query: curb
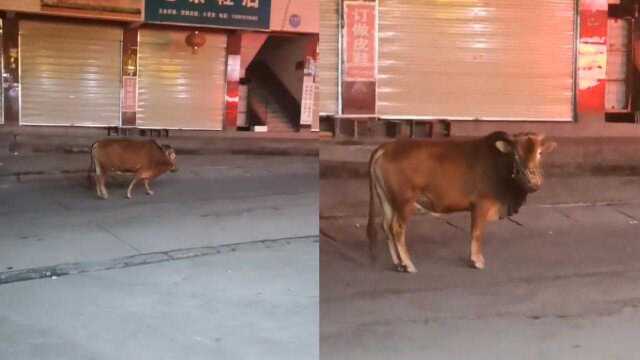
point(55, 271)
point(189, 146)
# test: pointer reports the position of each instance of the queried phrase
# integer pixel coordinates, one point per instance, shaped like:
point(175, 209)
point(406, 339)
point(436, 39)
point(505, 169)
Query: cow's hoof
point(128, 196)
point(150, 192)
point(478, 262)
point(406, 268)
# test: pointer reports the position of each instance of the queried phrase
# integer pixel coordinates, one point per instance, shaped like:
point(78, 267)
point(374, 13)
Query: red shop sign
point(360, 41)
point(129, 94)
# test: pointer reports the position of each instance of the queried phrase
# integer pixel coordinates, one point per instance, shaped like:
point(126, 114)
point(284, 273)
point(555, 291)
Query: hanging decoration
point(195, 40)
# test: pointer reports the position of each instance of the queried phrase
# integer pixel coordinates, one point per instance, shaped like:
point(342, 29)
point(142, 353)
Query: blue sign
point(243, 14)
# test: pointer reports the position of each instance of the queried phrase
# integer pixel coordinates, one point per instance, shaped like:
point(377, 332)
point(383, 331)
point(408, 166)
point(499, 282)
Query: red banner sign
point(129, 94)
point(360, 41)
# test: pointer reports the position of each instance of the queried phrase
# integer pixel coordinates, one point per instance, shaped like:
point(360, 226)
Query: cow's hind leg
point(136, 178)
point(146, 186)
point(398, 229)
point(390, 242)
point(387, 217)
point(101, 186)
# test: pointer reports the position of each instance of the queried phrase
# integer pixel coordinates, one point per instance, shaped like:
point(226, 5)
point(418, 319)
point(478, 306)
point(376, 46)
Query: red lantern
point(195, 40)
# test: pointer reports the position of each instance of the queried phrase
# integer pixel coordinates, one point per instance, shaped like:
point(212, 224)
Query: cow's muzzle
point(529, 178)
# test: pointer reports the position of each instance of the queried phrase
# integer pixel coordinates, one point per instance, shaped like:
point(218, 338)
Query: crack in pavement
point(346, 254)
point(624, 213)
point(105, 229)
point(453, 225)
point(515, 221)
point(329, 216)
point(55, 271)
point(616, 307)
point(529, 280)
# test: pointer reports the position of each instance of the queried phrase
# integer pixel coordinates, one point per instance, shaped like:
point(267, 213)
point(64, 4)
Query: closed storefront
point(70, 74)
point(177, 88)
point(329, 57)
point(507, 60)
point(1, 74)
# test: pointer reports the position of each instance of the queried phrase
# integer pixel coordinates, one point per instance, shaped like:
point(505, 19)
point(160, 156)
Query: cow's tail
point(92, 165)
point(374, 193)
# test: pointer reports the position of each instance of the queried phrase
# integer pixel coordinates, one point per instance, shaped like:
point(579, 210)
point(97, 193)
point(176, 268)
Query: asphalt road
point(222, 262)
point(562, 281)
point(210, 201)
point(259, 302)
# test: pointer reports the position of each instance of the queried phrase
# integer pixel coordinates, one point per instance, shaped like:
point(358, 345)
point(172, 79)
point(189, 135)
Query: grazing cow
point(145, 159)
point(488, 176)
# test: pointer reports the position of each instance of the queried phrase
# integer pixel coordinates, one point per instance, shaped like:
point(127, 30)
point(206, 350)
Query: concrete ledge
point(56, 271)
point(80, 140)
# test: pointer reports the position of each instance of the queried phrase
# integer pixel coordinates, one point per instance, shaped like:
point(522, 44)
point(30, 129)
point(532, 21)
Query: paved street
point(257, 302)
point(222, 261)
point(562, 281)
point(211, 200)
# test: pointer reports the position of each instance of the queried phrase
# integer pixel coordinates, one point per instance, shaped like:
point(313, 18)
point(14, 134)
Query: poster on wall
point(129, 94)
point(360, 43)
point(242, 14)
point(307, 103)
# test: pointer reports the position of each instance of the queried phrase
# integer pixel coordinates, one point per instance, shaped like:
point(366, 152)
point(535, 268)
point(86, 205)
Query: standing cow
point(489, 176)
point(145, 159)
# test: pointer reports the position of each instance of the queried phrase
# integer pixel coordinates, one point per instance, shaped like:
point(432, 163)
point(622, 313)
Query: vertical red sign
point(592, 55)
point(360, 43)
point(130, 94)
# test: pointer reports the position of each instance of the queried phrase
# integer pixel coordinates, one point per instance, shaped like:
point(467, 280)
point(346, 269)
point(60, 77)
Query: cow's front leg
point(133, 182)
point(477, 230)
point(480, 216)
point(146, 186)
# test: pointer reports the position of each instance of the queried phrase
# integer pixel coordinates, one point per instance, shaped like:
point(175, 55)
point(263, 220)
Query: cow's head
point(170, 153)
point(527, 150)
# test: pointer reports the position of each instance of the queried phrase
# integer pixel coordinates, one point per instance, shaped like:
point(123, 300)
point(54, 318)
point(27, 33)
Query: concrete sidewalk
point(78, 140)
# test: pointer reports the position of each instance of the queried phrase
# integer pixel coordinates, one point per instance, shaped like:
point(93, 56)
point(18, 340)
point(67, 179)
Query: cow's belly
point(121, 167)
point(437, 205)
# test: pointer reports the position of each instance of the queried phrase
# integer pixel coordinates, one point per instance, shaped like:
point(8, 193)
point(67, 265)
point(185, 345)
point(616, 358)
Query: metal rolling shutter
point(328, 61)
point(70, 74)
point(618, 44)
point(1, 73)
point(176, 88)
point(506, 60)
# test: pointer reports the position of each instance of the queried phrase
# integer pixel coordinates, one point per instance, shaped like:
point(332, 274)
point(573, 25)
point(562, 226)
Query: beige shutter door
point(328, 61)
point(70, 74)
point(1, 74)
point(503, 60)
point(176, 88)
point(618, 45)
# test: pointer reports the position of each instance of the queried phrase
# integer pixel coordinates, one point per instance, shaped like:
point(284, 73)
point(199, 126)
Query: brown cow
point(145, 159)
point(489, 176)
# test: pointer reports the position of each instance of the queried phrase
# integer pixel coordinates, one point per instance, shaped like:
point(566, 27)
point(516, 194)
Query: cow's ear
point(504, 146)
point(549, 146)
